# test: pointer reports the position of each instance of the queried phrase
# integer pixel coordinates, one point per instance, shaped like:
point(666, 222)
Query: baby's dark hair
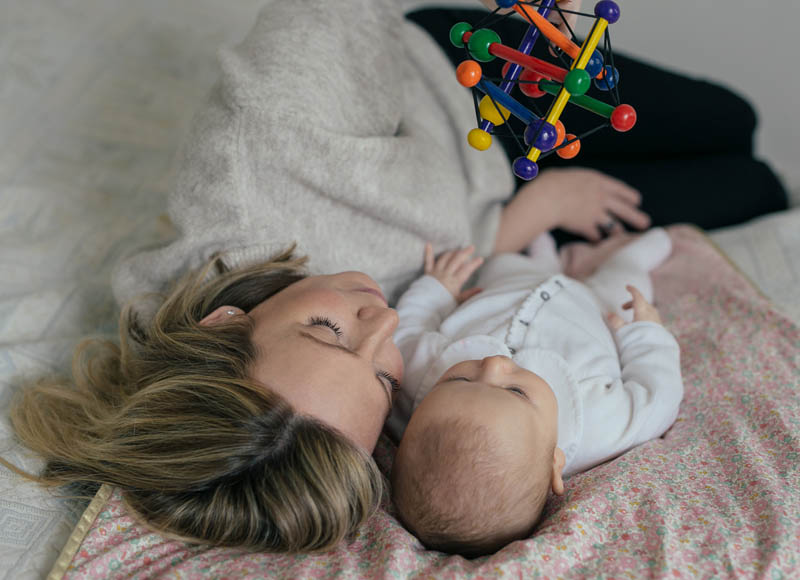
point(458, 491)
point(199, 449)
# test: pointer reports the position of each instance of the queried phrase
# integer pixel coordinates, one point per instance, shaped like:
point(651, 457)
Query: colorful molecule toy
point(544, 133)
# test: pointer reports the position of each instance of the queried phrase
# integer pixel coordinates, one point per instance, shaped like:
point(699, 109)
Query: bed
point(95, 96)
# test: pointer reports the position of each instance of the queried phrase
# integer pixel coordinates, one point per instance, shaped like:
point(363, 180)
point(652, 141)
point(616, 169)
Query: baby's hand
point(452, 269)
point(642, 310)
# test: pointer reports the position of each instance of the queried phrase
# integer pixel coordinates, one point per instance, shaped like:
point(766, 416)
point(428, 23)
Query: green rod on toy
point(583, 101)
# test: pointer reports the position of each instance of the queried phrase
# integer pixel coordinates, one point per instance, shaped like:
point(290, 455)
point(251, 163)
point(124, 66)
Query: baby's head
point(478, 458)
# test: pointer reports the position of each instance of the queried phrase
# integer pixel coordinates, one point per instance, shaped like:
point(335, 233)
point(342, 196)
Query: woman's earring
point(220, 314)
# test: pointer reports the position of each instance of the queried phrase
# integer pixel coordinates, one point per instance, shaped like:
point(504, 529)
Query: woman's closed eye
point(390, 379)
point(325, 321)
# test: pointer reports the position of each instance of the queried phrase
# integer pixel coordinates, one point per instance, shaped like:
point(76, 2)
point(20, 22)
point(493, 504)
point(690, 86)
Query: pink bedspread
point(717, 496)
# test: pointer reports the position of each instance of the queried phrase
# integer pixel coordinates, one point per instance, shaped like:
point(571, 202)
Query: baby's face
point(518, 406)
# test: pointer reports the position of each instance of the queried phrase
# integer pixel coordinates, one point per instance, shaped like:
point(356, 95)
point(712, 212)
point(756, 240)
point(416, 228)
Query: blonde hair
point(199, 449)
point(458, 491)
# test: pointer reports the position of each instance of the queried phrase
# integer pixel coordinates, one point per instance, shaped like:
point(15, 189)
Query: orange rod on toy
point(552, 33)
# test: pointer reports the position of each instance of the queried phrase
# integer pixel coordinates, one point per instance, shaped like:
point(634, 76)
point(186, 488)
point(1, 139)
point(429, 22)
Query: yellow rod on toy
point(583, 57)
point(591, 43)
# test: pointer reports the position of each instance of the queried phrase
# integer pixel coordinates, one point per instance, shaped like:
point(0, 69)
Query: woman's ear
point(220, 315)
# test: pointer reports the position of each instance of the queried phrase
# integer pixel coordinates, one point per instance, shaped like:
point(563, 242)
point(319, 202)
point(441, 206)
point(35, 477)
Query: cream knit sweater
point(338, 125)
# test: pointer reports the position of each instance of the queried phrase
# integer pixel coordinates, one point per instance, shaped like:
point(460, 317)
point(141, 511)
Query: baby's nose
point(497, 364)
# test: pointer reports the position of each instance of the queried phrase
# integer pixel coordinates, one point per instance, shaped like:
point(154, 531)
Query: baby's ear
point(221, 314)
point(557, 482)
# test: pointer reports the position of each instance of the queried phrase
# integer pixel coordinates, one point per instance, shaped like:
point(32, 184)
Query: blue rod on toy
point(514, 107)
point(525, 46)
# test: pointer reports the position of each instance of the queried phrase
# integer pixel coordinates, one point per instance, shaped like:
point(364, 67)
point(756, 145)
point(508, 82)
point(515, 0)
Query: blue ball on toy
point(608, 10)
point(525, 169)
point(609, 79)
point(595, 64)
point(506, 3)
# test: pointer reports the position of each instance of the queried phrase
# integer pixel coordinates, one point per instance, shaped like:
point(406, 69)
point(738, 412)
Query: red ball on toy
point(529, 84)
point(623, 118)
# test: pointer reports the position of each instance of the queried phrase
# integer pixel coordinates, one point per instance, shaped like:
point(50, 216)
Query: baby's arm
point(650, 361)
point(429, 300)
point(422, 308)
point(644, 402)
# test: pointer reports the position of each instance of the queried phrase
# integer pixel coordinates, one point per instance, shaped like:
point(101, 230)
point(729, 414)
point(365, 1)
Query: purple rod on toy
point(525, 47)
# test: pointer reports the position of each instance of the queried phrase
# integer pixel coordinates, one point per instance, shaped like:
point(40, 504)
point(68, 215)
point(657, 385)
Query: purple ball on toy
point(608, 10)
point(541, 134)
point(525, 169)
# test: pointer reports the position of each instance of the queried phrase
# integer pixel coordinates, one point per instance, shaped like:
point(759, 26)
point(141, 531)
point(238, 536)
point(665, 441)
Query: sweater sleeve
point(620, 413)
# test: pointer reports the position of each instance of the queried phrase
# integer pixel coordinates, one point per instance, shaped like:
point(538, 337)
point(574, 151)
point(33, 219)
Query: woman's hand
point(589, 203)
point(582, 201)
point(554, 17)
point(452, 269)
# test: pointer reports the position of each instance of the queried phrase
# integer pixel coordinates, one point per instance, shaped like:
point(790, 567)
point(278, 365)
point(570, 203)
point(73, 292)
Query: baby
point(523, 383)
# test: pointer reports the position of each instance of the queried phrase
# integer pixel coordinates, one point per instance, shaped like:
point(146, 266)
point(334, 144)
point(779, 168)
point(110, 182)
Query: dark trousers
point(690, 153)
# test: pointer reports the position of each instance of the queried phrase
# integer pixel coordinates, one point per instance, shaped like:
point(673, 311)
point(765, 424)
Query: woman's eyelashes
point(325, 321)
point(394, 384)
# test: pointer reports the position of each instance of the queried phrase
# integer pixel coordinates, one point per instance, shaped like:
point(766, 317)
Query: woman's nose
point(378, 324)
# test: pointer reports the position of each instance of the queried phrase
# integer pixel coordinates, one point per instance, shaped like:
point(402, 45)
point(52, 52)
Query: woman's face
point(325, 344)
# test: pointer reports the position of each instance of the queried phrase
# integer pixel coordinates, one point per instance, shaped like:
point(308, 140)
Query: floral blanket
point(717, 496)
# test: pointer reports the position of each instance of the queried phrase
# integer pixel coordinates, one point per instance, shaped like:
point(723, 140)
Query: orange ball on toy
point(469, 73)
point(570, 150)
point(560, 133)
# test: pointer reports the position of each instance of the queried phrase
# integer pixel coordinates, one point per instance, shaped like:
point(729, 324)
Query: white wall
point(750, 46)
